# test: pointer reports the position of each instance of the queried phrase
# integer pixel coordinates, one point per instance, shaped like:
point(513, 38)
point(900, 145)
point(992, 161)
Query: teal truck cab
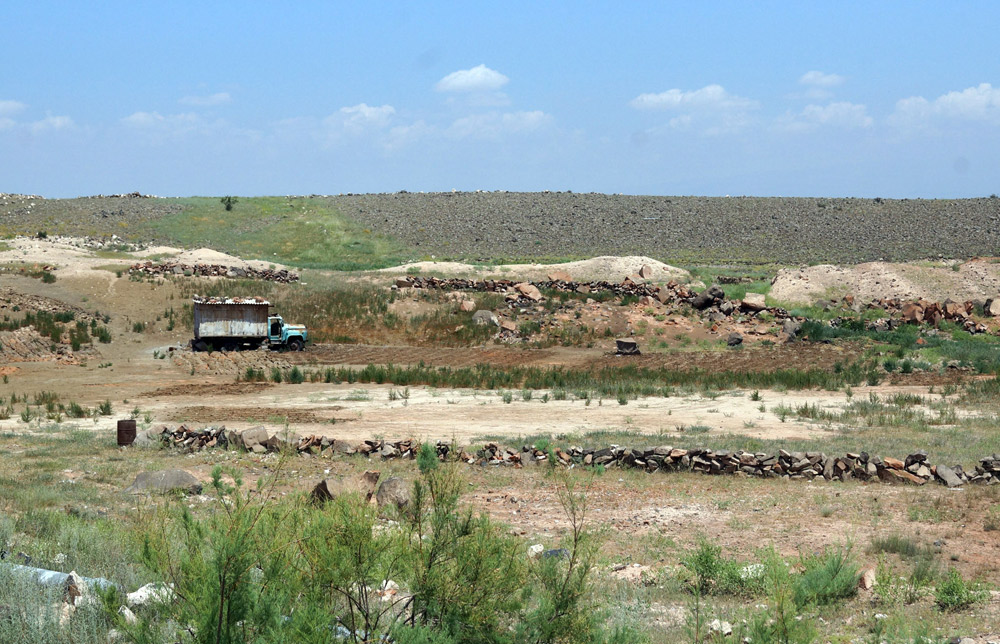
point(282, 334)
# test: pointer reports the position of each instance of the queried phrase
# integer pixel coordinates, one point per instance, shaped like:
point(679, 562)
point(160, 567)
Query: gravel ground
point(681, 229)
point(491, 226)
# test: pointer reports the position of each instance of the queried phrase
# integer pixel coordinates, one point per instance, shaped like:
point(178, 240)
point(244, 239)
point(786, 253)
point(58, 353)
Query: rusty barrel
point(126, 432)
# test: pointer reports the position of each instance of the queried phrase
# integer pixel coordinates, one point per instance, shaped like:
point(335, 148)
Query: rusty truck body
point(242, 323)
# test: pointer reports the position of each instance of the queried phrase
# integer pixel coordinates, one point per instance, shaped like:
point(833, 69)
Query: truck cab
point(280, 334)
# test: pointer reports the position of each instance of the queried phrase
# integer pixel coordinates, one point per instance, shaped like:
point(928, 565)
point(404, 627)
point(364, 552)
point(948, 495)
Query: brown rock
point(992, 307)
point(394, 490)
point(646, 272)
point(900, 476)
point(754, 302)
point(363, 485)
point(867, 579)
point(559, 276)
point(468, 306)
point(529, 291)
point(508, 325)
point(913, 313)
point(893, 463)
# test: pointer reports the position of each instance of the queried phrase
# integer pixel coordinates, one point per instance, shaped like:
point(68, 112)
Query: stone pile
point(792, 465)
point(526, 293)
point(261, 441)
point(925, 311)
point(214, 270)
point(914, 469)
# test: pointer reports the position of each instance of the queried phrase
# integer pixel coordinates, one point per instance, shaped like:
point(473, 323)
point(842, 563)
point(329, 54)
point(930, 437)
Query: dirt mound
point(14, 303)
point(209, 256)
point(228, 362)
point(227, 389)
point(978, 279)
point(606, 267)
point(217, 414)
point(27, 345)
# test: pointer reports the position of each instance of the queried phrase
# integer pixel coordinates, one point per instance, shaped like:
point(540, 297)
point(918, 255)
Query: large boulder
point(708, 297)
point(329, 489)
point(754, 302)
point(164, 482)
point(559, 276)
point(485, 318)
point(948, 476)
point(529, 291)
point(282, 441)
point(992, 307)
point(395, 491)
point(248, 438)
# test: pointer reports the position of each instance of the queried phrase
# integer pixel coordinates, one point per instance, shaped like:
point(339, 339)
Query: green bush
point(954, 593)
point(712, 574)
point(826, 578)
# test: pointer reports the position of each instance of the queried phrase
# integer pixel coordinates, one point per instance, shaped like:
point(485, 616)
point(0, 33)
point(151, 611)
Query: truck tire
point(296, 344)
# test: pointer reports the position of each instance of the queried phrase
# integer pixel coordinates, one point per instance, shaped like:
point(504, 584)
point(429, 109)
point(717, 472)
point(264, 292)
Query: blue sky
point(891, 99)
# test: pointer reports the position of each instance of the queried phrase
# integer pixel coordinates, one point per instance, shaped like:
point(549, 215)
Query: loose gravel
point(493, 226)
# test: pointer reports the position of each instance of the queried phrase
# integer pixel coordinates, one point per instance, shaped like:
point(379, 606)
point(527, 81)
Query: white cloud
point(842, 115)
point(710, 110)
point(478, 79)
point(977, 104)
point(819, 79)
point(157, 120)
point(158, 126)
point(710, 97)
point(220, 98)
point(51, 123)
point(8, 108)
point(495, 124)
point(361, 116)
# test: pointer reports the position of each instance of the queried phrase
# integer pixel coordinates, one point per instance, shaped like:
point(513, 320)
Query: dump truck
point(234, 323)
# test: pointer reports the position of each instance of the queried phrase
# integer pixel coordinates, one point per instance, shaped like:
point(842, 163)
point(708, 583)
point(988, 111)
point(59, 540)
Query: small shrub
point(104, 409)
point(276, 375)
point(827, 578)
point(295, 376)
point(954, 593)
point(48, 277)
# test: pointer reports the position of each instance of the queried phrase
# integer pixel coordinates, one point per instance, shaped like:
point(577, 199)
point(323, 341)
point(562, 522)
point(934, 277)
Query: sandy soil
point(977, 279)
point(69, 257)
point(612, 269)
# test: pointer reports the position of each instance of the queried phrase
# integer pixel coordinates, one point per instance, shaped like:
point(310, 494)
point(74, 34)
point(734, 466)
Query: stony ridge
point(491, 225)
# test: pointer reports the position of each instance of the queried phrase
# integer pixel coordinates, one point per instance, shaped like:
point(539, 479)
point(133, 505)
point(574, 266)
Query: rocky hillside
point(490, 226)
point(681, 229)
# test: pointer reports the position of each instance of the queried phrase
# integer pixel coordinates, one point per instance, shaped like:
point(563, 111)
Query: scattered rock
point(363, 485)
point(395, 491)
point(948, 476)
point(163, 482)
point(485, 318)
point(626, 347)
point(154, 593)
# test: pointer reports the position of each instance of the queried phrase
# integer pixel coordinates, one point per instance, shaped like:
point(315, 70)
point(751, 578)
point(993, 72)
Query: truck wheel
point(295, 344)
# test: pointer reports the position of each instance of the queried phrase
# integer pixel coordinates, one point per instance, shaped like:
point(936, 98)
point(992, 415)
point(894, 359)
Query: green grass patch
point(303, 232)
